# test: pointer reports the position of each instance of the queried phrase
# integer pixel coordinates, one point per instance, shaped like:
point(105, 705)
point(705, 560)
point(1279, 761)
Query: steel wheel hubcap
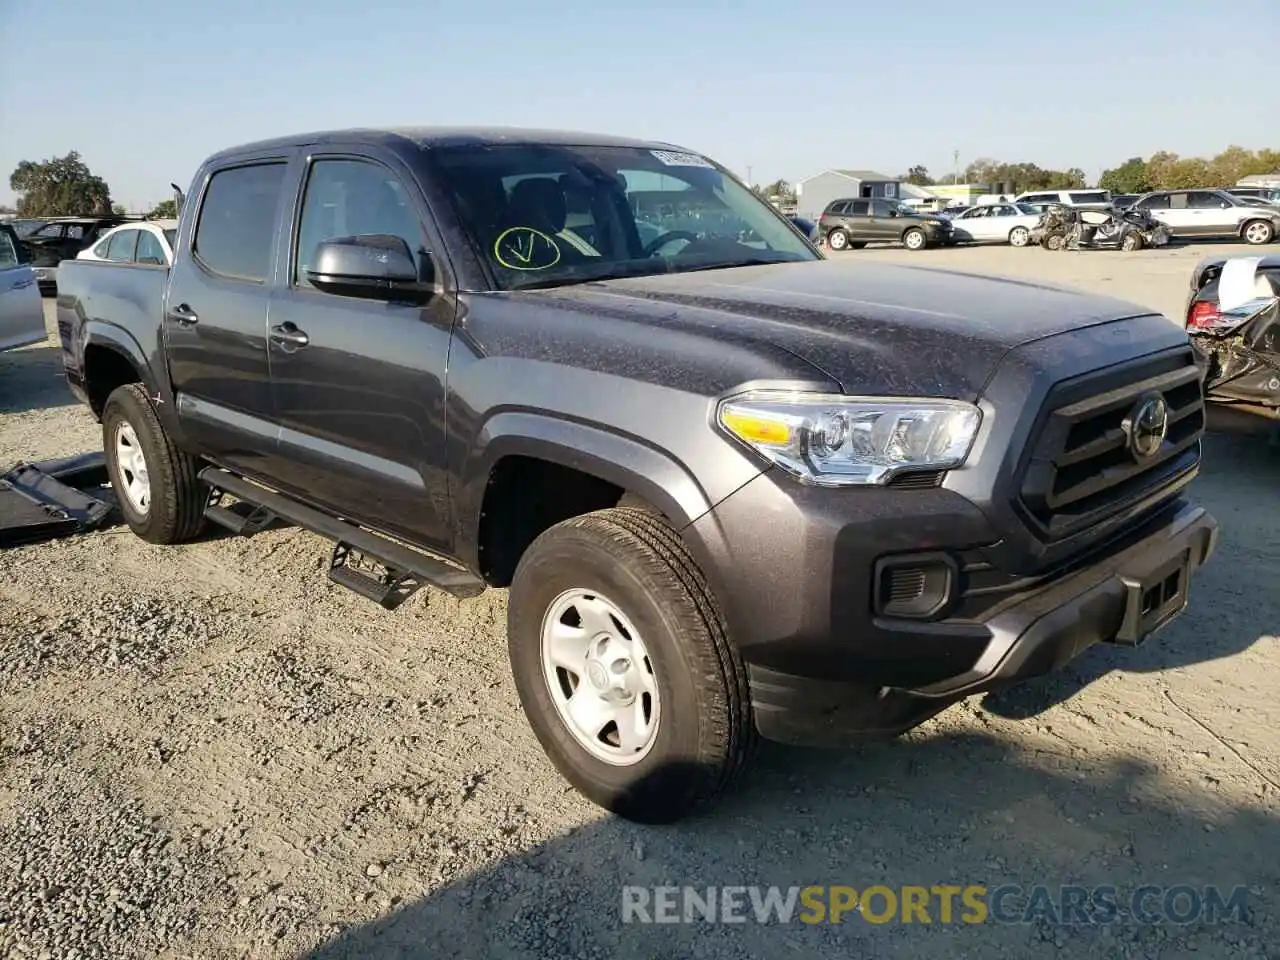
point(600, 677)
point(837, 241)
point(131, 464)
point(1019, 238)
point(914, 240)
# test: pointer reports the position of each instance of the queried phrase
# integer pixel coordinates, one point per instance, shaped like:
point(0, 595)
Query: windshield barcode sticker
point(673, 159)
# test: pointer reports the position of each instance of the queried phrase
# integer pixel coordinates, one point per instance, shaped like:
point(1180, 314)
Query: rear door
point(21, 309)
point(361, 403)
point(215, 324)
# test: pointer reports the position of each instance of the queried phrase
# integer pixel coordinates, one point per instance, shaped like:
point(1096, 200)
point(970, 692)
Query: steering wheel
point(660, 241)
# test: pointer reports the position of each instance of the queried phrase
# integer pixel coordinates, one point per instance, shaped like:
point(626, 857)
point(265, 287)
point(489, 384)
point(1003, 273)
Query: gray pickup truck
point(734, 489)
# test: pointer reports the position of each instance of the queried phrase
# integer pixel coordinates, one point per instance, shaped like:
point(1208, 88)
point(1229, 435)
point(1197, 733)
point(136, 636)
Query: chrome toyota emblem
point(1146, 427)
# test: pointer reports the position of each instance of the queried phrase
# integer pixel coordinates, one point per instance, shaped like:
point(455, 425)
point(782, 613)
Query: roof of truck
point(444, 136)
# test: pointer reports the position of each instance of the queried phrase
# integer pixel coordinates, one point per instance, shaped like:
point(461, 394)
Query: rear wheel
point(155, 483)
point(837, 240)
point(1258, 232)
point(1054, 241)
point(1019, 236)
point(623, 667)
point(914, 239)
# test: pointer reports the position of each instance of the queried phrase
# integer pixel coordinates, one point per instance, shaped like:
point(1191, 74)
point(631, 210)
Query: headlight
point(838, 441)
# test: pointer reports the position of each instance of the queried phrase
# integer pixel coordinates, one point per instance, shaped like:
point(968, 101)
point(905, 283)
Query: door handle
point(183, 314)
point(287, 335)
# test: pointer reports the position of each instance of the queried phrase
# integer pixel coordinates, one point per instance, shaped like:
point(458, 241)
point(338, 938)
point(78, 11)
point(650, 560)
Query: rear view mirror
point(372, 266)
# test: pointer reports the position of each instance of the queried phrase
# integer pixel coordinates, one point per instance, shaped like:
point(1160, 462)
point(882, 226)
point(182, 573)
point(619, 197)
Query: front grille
point(1081, 469)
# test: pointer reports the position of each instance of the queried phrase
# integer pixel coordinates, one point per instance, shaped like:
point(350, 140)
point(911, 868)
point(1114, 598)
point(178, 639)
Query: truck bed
point(126, 296)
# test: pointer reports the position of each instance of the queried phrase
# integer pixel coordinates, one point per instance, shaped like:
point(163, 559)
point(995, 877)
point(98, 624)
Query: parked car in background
point(63, 239)
point(21, 312)
point(808, 227)
point(1123, 201)
point(996, 223)
point(149, 243)
point(1085, 199)
point(853, 223)
point(1211, 213)
point(1269, 194)
point(1240, 356)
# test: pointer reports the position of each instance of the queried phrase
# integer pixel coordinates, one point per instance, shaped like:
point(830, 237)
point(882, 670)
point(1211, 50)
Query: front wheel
point(1019, 236)
point(837, 240)
point(1054, 241)
point(1258, 232)
point(155, 483)
point(1131, 242)
point(623, 668)
point(914, 239)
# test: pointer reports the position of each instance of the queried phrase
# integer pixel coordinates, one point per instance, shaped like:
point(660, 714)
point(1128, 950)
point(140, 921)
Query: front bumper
point(824, 668)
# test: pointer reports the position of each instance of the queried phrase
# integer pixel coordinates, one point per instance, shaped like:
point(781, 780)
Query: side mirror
point(371, 266)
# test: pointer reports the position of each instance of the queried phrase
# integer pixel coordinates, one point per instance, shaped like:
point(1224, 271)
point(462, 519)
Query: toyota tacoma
point(734, 489)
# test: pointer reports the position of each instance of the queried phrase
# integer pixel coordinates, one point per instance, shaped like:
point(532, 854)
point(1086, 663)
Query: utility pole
point(750, 182)
point(955, 157)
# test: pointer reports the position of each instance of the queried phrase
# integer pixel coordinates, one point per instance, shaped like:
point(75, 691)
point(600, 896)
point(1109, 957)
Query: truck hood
point(873, 327)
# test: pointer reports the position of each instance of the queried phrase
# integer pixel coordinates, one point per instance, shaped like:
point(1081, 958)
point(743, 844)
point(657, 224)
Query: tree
point(60, 186)
point(919, 175)
point(165, 209)
point(1020, 177)
point(1130, 177)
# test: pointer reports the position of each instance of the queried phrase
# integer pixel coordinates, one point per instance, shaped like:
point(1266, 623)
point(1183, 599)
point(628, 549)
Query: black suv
point(855, 223)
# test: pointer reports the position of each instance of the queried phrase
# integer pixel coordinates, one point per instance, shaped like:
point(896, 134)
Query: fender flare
point(622, 460)
point(118, 340)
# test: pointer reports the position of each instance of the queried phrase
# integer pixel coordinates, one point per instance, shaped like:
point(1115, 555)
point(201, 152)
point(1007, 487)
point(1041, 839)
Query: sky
point(144, 91)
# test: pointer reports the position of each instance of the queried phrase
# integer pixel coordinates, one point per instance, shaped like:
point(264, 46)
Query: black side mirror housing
point(370, 266)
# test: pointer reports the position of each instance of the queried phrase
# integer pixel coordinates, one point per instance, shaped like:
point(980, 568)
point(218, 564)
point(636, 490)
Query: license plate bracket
point(1154, 599)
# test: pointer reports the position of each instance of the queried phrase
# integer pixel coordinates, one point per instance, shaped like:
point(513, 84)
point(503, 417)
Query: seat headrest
point(538, 202)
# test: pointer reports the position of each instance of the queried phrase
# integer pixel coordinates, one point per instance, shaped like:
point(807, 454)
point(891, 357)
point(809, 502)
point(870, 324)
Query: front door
point(885, 226)
point(361, 402)
point(215, 325)
point(21, 309)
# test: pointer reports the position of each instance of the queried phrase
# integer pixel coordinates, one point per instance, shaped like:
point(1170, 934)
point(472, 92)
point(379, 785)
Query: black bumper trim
point(1092, 606)
point(1029, 638)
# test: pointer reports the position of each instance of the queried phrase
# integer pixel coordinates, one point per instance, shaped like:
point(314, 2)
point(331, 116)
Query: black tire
point(857, 244)
point(838, 239)
point(1054, 241)
point(915, 239)
point(705, 731)
point(1132, 242)
point(178, 498)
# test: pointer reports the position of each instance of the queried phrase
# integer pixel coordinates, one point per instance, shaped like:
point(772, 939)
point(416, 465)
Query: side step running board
point(406, 568)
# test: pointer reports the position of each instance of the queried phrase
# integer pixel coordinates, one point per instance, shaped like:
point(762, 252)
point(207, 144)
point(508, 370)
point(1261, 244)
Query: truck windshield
point(546, 215)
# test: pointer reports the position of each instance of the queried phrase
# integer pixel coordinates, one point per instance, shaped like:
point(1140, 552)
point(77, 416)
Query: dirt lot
point(210, 751)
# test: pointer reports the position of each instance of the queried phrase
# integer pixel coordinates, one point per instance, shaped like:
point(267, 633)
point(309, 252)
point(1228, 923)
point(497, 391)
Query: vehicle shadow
point(32, 378)
point(1233, 598)
point(961, 809)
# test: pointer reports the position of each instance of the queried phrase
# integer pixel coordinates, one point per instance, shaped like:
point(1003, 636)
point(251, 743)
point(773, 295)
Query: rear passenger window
point(236, 231)
point(860, 208)
point(121, 246)
point(149, 249)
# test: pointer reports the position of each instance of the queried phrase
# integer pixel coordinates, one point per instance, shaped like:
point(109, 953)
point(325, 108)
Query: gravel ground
point(210, 751)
